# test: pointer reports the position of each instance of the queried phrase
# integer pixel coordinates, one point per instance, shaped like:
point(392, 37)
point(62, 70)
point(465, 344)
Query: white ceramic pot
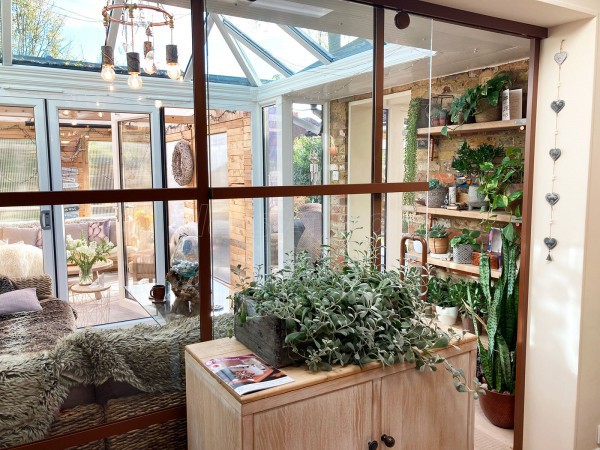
point(447, 315)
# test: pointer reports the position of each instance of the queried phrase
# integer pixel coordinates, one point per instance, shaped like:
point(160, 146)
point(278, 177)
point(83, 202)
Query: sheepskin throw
point(34, 386)
point(21, 260)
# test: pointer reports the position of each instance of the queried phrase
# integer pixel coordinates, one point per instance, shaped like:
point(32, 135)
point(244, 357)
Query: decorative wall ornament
point(557, 106)
point(182, 163)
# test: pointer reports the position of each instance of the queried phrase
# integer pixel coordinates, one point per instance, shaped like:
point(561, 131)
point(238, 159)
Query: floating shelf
point(465, 268)
point(464, 214)
point(474, 127)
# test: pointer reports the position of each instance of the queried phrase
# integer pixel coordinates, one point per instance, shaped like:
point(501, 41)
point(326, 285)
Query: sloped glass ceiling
point(250, 43)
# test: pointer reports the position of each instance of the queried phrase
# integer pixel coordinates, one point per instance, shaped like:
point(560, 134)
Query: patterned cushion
point(98, 231)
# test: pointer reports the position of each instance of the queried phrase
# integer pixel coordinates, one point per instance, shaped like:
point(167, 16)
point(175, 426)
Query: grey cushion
point(26, 234)
point(75, 230)
point(22, 300)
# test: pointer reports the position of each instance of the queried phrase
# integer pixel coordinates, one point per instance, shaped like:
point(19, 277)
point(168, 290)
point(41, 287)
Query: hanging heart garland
point(557, 106)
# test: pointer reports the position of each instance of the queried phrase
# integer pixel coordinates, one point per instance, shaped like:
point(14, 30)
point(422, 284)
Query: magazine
point(247, 373)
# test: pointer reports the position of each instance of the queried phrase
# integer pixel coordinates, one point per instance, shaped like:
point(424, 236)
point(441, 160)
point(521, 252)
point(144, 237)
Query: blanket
point(34, 386)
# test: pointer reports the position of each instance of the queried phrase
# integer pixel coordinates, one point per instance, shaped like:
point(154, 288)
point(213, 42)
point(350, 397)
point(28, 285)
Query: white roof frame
point(113, 27)
point(187, 76)
point(309, 44)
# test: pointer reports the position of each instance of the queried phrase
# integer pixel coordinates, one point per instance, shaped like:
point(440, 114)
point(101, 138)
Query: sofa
point(65, 381)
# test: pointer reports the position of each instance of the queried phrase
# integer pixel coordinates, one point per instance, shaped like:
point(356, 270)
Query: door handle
point(389, 441)
point(45, 222)
point(373, 445)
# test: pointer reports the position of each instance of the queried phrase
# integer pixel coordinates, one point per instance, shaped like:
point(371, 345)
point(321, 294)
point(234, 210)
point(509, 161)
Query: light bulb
point(108, 73)
point(134, 81)
point(173, 71)
point(149, 66)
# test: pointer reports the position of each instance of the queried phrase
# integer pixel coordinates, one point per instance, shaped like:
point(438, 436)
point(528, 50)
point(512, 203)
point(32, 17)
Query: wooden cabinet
point(343, 409)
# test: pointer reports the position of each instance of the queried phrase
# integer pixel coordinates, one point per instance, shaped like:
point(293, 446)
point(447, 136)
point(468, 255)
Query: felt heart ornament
point(557, 105)
point(560, 57)
point(552, 198)
point(554, 153)
point(550, 243)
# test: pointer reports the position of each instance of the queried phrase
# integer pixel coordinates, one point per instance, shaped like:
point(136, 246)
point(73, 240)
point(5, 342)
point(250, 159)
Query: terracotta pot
point(494, 259)
point(438, 245)
point(498, 408)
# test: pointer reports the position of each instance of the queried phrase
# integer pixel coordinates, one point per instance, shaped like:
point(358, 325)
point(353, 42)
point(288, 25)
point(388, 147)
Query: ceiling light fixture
point(132, 16)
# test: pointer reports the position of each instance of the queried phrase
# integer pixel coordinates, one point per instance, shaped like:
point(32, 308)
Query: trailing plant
point(498, 358)
point(496, 179)
point(351, 313)
point(469, 104)
point(438, 231)
point(467, 237)
point(410, 149)
point(468, 161)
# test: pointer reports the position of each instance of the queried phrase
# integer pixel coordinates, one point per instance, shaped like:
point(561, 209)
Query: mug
point(158, 292)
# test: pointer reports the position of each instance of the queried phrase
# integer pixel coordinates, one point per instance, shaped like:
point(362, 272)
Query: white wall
point(560, 292)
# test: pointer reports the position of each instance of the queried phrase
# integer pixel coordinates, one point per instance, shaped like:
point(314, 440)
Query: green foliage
point(467, 105)
point(350, 312)
point(467, 237)
point(421, 231)
point(438, 231)
point(498, 359)
point(469, 161)
point(37, 30)
point(410, 150)
point(434, 183)
point(496, 179)
point(438, 292)
point(469, 297)
point(304, 148)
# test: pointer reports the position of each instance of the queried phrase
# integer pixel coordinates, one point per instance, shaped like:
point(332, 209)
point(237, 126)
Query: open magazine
point(247, 373)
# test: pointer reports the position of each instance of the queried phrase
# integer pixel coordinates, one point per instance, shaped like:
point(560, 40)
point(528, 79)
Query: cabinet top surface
point(203, 351)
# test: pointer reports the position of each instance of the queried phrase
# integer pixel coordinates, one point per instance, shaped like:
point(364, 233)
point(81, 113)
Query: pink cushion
point(21, 300)
point(98, 231)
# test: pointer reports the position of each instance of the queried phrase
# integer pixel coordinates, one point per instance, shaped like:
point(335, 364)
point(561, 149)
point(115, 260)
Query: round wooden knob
point(373, 445)
point(389, 441)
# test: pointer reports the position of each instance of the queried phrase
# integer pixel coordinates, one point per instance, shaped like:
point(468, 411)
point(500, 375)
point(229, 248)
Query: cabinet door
point(336, 420)
point(423, 410)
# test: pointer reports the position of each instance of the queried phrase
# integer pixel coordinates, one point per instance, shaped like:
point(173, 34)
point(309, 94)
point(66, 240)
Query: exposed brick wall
point(237, 125)
point(440, 166)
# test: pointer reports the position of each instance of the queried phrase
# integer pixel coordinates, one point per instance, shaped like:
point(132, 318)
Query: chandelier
point(132, 16)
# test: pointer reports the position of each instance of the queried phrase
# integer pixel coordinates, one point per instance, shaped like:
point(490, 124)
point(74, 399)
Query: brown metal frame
point(203, 193)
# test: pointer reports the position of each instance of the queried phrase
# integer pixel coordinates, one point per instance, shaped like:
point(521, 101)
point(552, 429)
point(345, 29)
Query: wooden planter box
point(265, 336)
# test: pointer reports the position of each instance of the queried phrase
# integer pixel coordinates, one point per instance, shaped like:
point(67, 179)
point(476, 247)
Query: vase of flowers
point(85, 254)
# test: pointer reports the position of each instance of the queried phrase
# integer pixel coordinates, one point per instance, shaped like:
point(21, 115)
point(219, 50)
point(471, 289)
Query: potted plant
point(438, 294)
point(482, 102)
point(342, 310)
point(437, 239)
point(462, 246)
point(468, 162)
point(436, 196)
point(85, 254)
point(422, 232)
point(502, 184)
point(498, 357)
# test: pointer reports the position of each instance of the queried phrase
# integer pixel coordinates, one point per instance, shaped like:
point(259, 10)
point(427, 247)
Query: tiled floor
point(488, 436)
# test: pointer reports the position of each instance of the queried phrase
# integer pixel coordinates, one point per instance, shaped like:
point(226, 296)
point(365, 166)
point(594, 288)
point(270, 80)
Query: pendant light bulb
point(173, 71)
point(108, 74)
point(149, 66)
point(134, 81)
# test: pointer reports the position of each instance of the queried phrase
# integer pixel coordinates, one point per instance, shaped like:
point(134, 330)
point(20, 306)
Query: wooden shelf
point(473, 127)
point(465, 268)
point(464, 214)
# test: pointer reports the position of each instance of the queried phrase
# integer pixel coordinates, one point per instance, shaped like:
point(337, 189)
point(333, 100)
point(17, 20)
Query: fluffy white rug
point(21, 260)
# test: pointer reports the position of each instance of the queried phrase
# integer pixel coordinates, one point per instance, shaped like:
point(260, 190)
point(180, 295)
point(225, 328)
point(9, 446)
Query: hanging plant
point(410, 151)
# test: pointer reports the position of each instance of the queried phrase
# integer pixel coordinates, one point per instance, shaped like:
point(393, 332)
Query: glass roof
point(240, 50)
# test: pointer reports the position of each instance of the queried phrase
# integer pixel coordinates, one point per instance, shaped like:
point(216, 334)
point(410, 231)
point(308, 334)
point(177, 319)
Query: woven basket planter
point(79, 418)
point(462, 253)
point(486, 112)
point(438, 245)
point(437, 197)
